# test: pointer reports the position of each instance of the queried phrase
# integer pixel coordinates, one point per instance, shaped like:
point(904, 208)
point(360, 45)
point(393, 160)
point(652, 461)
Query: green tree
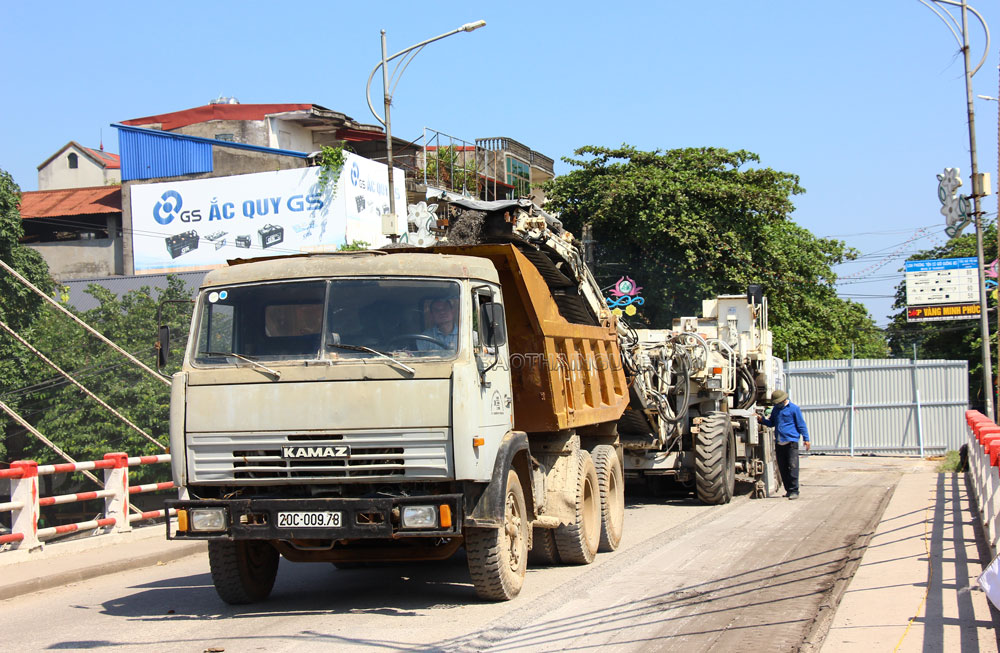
point(689, 224)
point(19, 306)
point(77, 423)
point(947, 339)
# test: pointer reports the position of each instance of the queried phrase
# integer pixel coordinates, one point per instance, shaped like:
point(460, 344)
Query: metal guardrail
point(25, 503)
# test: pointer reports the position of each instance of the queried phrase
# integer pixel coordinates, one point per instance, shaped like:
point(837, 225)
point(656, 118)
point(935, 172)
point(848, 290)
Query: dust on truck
point(315, 418)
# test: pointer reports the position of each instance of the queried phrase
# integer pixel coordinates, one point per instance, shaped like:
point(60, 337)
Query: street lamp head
point(468, 27)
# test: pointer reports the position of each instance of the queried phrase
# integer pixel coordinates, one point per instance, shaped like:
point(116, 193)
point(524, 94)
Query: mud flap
point(484, 503)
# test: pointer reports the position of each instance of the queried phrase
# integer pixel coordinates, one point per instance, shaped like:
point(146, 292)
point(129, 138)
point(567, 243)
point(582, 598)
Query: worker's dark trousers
point(788, 465)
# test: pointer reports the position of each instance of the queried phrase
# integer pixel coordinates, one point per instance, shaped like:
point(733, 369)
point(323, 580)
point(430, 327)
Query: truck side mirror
point(492, 317)
point(162, 346)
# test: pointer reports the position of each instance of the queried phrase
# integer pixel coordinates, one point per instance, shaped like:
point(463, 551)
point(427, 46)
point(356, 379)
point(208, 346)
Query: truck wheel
point(543, 547)
point(498, 556)
point(715, 460)
point(612, 484)
point(243, 571)
point(577, 542)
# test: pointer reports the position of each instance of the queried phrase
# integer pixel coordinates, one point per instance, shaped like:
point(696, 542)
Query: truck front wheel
point(577, 542)
point(498, 556)
point(243, 571)
point(715, 460)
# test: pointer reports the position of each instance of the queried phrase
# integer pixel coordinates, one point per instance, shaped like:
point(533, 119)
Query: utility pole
point(984, 318)
point(977, 182)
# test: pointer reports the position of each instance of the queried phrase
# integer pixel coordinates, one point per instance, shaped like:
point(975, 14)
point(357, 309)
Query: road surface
point(754, 575)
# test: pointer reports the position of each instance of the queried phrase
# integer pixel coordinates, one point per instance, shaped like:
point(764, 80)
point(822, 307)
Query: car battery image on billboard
point(243, 241)
point(182, 243)
point(271, 235)
point(218, 238)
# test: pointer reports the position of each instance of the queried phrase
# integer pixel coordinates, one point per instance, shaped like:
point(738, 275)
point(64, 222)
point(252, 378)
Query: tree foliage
point(77, 423)
point(19, 306)
point(947, 339)
point(689, 224)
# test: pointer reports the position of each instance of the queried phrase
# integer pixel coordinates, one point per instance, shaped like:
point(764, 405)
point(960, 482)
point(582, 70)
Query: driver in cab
point(444, 327)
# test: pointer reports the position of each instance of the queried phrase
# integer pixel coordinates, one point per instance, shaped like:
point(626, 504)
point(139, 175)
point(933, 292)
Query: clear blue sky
point(865, 101)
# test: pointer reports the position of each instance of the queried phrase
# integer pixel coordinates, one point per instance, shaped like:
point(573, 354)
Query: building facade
point(76, 166)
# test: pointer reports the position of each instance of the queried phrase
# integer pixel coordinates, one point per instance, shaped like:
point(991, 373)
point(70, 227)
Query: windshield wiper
point(337, 345)
point(275, 373)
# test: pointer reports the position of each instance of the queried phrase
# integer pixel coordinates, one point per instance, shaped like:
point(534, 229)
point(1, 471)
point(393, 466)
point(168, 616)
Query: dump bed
point(563, 375)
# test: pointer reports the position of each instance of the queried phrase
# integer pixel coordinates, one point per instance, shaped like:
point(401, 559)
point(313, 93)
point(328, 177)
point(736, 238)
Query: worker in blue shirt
point(786, 420)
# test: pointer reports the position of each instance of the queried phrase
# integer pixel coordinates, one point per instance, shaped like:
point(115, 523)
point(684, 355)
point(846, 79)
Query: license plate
point(326, 519)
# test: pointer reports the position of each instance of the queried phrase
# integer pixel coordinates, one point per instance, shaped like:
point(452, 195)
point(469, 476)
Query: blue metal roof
point(151, 153)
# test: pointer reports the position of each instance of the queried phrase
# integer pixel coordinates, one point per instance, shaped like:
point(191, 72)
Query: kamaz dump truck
point(396, 405)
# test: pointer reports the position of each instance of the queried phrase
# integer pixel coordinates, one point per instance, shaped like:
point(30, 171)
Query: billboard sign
point(942, 289)
point(201, 223)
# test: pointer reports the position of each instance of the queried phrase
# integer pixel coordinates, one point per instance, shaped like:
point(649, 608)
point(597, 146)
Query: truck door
point(491, 352)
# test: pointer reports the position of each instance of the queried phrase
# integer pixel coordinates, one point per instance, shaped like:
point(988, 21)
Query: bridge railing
point(25, 503)
point(984, 471)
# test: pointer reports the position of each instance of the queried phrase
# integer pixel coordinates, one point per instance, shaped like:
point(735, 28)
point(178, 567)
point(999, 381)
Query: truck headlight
point(713, 383)
point(420, 517)
point(207, 519)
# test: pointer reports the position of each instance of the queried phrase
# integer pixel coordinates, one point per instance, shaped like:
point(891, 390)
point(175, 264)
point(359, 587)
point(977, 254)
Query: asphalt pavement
point(913, 588)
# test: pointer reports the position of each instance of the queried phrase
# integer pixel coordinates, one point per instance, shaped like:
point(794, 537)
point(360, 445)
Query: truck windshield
point(333, 319)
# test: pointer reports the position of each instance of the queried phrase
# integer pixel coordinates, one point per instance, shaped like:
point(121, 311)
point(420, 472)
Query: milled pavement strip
point(497, 630)
point(828, 608)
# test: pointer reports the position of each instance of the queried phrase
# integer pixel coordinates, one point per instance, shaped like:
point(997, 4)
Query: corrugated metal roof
point(71, 201)
point(107, 159)
point(177, 119)
point(149, 154)
point(82, 301)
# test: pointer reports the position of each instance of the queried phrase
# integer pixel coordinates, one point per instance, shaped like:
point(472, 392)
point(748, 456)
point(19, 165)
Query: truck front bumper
point(438, 515)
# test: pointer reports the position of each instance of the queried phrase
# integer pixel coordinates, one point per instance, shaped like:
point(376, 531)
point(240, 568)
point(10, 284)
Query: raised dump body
point(564, 375)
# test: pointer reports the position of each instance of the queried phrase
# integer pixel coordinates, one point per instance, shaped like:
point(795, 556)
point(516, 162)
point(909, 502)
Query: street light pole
point(392, 227)
point(984, 322)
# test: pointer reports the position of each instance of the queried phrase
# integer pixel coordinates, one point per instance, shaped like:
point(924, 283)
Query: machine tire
point(611, 481)
point(498, 557)
point(577, 542)
point(543, 549)
point(715, 460)
point(243, 571)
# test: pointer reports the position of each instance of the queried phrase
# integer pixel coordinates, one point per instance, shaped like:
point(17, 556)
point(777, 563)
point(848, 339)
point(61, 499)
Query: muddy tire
point(543, 548)
point(577, 542)
point(243, 571)
point(611, 482)
point(498, 557)
point(715, 460)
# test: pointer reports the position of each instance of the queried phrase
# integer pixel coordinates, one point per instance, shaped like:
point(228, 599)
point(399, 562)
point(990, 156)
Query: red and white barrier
point(25, 504)
point(984, 470)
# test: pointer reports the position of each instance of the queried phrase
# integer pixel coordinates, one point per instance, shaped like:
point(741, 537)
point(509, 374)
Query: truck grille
point(255, 458)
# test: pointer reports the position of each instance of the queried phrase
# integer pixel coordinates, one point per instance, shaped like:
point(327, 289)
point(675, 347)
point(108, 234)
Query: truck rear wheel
point(577, 542)
point(243, 571)
point(498, 556)
point(715, 460)
point(611, 481)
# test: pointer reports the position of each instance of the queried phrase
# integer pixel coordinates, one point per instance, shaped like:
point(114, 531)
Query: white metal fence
point(891, 406)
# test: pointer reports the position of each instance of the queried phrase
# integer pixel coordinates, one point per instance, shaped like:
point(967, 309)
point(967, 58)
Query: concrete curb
point(60, 564)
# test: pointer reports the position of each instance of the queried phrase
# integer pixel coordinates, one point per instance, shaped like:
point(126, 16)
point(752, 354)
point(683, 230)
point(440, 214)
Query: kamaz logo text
point(334, 451)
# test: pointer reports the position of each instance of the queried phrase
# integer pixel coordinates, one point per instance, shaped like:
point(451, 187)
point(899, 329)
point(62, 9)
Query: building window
point(74, 161)
point(519, 176)
point(224, 137)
